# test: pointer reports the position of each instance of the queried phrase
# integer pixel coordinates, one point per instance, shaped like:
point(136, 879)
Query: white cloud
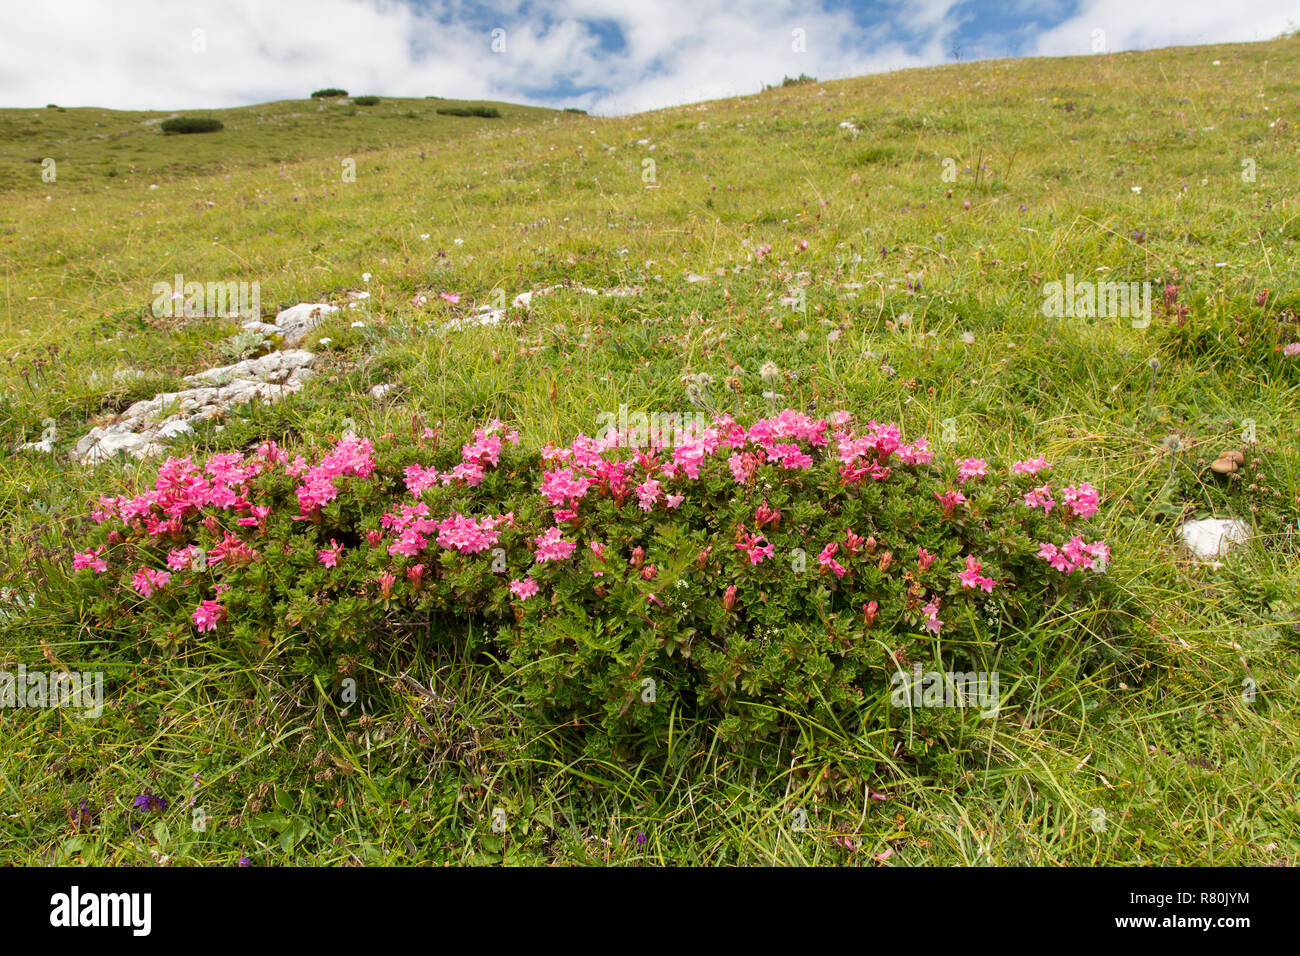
point(1155, 23)
point(140, 54)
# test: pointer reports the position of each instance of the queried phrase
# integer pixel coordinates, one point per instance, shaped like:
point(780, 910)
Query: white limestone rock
point(147, 425)
point(1211, 538)
point(294, 323)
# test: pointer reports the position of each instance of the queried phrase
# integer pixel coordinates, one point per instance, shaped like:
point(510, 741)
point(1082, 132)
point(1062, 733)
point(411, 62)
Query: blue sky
point(608, 56)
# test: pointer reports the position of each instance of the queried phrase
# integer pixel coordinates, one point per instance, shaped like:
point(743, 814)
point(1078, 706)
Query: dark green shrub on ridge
point(486, 112)
point(192, 124)
point(330, 92)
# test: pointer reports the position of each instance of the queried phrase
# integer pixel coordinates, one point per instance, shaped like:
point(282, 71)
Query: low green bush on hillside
point(791, 571)
point(192, 124)
point(365, 100)
point(486, 112)
point(329, 93)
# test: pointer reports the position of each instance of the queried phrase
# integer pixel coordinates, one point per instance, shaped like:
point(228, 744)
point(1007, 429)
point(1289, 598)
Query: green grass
point(97, 148)
point(1186, 771)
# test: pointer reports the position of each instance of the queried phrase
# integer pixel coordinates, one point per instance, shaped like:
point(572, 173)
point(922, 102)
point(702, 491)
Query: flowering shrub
point(791, 566)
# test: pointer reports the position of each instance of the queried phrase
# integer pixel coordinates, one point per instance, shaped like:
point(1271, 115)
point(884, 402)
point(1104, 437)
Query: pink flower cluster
point(968, 468)
point(476, 457)
point(1075, 555)
point(1041, 498)
point(756, 548)
point(146, 580)
point(1030, 466)
point(1081, 500)
point(972, 578)
point(351, 456)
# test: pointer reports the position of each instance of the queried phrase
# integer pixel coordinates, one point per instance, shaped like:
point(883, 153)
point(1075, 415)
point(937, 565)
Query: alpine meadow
point(890, 471)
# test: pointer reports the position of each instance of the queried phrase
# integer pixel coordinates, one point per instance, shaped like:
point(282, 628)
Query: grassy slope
point(1185, 769)
point(94, 147)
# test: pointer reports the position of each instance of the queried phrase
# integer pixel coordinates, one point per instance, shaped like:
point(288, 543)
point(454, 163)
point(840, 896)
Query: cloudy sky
point(607, 56)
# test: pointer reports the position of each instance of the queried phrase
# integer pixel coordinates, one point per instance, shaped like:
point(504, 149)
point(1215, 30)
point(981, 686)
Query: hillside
point(127, 147)
point(883, 244)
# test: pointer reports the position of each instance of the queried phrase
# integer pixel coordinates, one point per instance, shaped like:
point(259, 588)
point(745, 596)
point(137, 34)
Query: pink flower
point(386, 582)
point(451, 297)
point(971, 577)
point(931, 612)
point(90, 559)
point(330, 556)
point(674, 501)
point(563, 485)
point(917, 453)
point(648, 493)
point(467, 535)
point(950, 500)
point(1075, 555)
point(869, 612)
point(1291, 350)
point(924, 559)
point(826, 560)
point(1041, 498)
point(416, 574)
point(969, 468)
point(551, 547)
point(755, 550)
point(207, 615)
point(183, 559)
point(1082, 500)
point(523, 589)
point(146, 580)
point(729, 597)
point(1030, 466)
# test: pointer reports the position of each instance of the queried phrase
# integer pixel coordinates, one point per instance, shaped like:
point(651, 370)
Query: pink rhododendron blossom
point(950, 500)
point(330, 556)
point(419, 478)
point(1041, 498)
point(1075, 555)
point(826, 559)
point(562, 485)
point(467, 535)
point(869, 612)
point(924, 559)
point(931, 612)
point(1082, 500)
point(523, 589)
point(146, 580)
point(551, 547)
point(1030, 466)
point(756, 547)
point(90, 559)
point(971, 577)
point(917, 453)
point(969, 468)
point(647, 494)
point(208, 615)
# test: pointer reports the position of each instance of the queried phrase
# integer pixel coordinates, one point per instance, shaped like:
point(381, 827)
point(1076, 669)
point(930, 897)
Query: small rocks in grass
point(379, 391)
point(293, 324)
point(148, 424)
point(1210, 538)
